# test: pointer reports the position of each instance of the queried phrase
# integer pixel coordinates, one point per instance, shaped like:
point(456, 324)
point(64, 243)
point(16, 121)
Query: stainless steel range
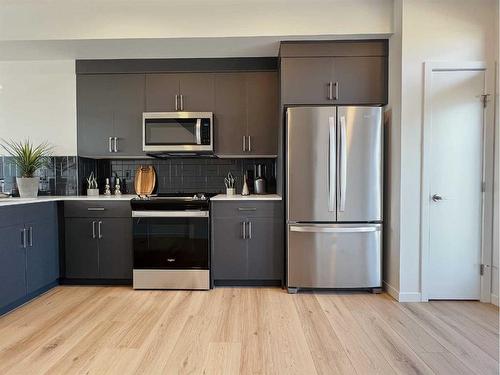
point(171, 242)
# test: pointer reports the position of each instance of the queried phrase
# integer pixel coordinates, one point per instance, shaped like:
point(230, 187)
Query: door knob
point(437, 198)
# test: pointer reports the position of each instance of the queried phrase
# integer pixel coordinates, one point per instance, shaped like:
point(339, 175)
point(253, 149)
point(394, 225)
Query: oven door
point(171, 240)
point(177, 131)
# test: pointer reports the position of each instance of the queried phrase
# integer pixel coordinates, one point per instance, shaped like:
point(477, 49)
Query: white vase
point(230, 191)
point(28, 186)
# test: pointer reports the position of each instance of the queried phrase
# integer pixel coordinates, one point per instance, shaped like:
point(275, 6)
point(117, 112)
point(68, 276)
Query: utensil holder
point(230, 191)
point(92, 192)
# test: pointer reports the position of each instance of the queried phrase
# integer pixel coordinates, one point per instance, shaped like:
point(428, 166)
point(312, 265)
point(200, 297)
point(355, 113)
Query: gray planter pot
point(28, 186)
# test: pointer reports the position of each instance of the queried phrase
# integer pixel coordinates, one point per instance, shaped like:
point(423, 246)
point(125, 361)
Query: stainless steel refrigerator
point(334, 197)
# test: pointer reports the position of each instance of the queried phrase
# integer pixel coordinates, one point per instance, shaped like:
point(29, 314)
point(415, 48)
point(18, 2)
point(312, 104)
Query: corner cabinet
point(98, 246)
point(247, 243)
point(29, 252)
point(109, 115)
point(246, 114)
point(334, 73)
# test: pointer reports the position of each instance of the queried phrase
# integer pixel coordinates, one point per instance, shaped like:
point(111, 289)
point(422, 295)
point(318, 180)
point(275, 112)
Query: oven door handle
point(187, 213)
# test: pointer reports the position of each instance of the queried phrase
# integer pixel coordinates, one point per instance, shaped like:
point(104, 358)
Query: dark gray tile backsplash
point(66, 175)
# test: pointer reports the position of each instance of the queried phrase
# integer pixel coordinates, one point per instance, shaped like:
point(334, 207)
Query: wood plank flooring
point(116, 330)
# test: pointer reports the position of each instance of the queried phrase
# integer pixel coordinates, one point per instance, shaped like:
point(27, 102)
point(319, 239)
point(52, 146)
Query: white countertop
point(251, 197)
point(55, 198)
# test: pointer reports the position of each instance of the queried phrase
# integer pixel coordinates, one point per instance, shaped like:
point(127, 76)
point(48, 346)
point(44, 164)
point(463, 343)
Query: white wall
point(435, 30)
point(112, 19)
point(38, 100)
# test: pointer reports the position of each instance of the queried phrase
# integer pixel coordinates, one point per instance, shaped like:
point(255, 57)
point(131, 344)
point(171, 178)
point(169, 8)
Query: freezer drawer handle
point(314, 229)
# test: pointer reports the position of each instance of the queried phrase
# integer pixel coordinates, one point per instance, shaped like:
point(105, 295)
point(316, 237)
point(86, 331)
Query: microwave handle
point(198, 131)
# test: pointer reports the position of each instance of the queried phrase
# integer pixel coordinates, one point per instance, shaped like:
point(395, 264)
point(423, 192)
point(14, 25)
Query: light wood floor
point(115, 330)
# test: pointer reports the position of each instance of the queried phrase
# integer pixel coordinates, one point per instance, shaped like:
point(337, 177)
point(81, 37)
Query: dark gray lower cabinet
point(99, 247)
point(29, 252)
point(247, 245)
point(82, 254)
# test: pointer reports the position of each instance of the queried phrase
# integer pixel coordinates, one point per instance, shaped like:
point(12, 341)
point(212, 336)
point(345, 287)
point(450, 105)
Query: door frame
point(485, 279)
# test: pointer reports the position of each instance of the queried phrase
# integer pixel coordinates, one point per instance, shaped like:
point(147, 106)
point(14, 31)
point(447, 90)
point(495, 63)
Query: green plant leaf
point(28, 157)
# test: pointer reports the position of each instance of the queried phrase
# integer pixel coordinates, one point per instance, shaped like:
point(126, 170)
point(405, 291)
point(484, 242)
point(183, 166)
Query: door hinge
point(481, 269)
point(483, 186)
point(484, 98)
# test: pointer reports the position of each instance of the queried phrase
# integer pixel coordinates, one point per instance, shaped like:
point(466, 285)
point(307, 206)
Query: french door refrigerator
point(334, 197)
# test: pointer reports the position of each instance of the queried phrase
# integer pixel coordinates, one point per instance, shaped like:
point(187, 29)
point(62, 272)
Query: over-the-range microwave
point(177, 133)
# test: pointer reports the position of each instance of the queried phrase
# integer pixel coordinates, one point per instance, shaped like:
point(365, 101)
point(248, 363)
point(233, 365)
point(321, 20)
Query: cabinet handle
point(243, 230)
point(93, 229)
point(336, 97)
point(182, 102)
point(247, 209)
point(244, 143)
point(95, 209)
point(23, 238)
point(115, 144)
point(330, 91)
point(249, 143)
point(250, 230)
point(30, 237)
point(110, 147)
point(99, 229)
point(176, 102)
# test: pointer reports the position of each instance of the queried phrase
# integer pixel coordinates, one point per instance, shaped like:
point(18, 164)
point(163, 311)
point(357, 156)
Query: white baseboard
point(402, 297)
point(494, 299)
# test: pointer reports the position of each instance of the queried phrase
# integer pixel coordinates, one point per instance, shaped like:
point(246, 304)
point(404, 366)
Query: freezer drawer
point(334, 255)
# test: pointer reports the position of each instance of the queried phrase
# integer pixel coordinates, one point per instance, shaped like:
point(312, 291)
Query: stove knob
point(195, 197)
point(203, 197)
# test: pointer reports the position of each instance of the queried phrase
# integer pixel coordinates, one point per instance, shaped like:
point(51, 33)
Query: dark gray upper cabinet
point(246, 114)
point(334, 73)
point(98, 240)
point(230, 113)
point(109, 115)
point(162, 92)
point(262, 113)
point(170, 92)
point(247, 241)
point(306, 80)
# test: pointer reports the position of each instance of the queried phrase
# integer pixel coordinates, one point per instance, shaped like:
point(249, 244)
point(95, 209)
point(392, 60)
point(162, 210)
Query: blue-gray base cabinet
point(98, 242)
point(29, 252)
point(247, 243)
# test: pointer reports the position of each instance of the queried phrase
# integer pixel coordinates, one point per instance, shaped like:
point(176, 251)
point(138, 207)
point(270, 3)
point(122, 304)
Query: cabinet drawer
point(247, 209)
point(97, 209)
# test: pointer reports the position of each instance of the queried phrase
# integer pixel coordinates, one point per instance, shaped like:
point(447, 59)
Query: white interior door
point(456, 173)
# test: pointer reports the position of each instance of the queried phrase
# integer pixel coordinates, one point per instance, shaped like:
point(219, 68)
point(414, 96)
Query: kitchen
point(245, 201)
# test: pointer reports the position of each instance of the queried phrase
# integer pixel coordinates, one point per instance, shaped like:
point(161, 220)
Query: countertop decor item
point(145, 180)
point(117, 187)
point(92, 188)
point(107, 188)
point(260, 180)
point(28, 158)
point(245, 190)
point(229, 181)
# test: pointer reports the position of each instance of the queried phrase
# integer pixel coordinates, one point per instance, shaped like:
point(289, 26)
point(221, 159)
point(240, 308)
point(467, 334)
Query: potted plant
point(28, 158)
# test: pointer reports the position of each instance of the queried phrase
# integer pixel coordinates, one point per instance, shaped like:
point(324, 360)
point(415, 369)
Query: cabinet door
point(128, 109)
point(197, 92)
point(43, 246)
point(262, 113)
point(95, 114)
point(12, 265)
point(161, 92)
point(230, 256)
point(306, 80)
point(115, 248)
point(265, 249)
point(81, 249)
point(361, 80)
point(230, 113)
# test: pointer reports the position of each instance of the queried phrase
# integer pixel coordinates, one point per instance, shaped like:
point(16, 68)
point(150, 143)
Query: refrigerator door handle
point(343, 163)
point(321, 229)
point(331, 165)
